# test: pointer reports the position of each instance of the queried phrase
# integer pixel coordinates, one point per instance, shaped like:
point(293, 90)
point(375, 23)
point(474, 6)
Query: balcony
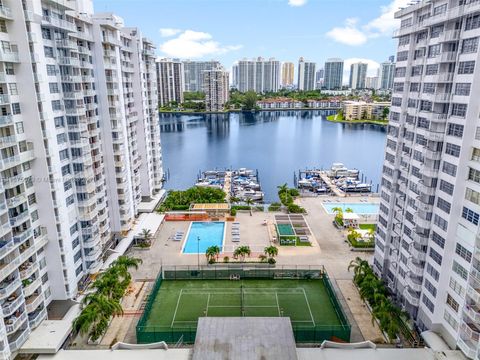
point(36, 318)
point(6, 246)
point(33, 302)
point(4, 99)
point(467, 347)
point(20, 218)
point(18, 341)
point(21, 237)
point(473, 312)
point(14, 201)
point(9, 56)
point(59, 23)
point(449, 56)
point(13, 323)
point(417, 253)
point(470, 330)
point(415, 267)
point(414, 284)
point(7, 287)
point(412, 298)
point(5, 13)
point(27, 269)
point(450, 35)
point(10, 306)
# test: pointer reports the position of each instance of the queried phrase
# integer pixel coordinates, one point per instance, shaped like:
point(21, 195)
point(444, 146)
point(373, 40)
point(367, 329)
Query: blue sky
point(285, 29)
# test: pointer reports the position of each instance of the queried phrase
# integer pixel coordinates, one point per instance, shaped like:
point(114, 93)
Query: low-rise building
point(361, 110)
point(280, 103)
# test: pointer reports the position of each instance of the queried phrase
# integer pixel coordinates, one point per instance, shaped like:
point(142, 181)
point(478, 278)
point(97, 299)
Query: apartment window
point(472, 22)
point(16, 109)
point(449, 168)
point(455, 130)
point(415, 87)
point(423, 123)
point(12, 89)
point(54, 89)
point(67, 185)
point(396, 101)
point(466, 67)
point(439, 9)
point(425, 105)
point(472, 195)
point(431, 69)
point(66, 170)
point(446, 187)
point(440, 222)
point(56, 105)
point(459, 110)
point(398, 87)
point(463, 253)
point(73, 229)
point(48, 50)
point(59, 122)
point(419, 53)
point(470, 45)
point(452, 149)
point(462, 89)
point(434, 50)
point(428, 303)
point(452, 303)
point(404, 40)
point(443, 205)
point(64, 154)
point(435, 256)
point(435, 32)
point(406, 23)
point(402, 55)
point(422, 36)
point(474, 175)
point(433, 273)
point(46, 34)
point(417, 70)
point(51, 70)
point(19, 127)
point(475, 154)
point(470, 215)
point(460, 270)
point(9, 69)
point(437, 239)
point(430, 287)
point(429, 88)
point(457, 287)
point(3, 26)
point(450, 320)
point(400, 72)
point(61, 138)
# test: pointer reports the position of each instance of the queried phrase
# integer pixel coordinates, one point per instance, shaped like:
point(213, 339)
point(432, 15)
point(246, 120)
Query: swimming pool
point(209, 233)
point(357, 208)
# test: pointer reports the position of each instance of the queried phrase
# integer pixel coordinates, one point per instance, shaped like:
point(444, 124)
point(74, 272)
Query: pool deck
point(329, 248)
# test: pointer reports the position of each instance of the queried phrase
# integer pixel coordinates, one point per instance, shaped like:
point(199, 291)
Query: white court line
point(310, 310)
point(248, 306)
point(278, 305)
point(176, 308)
point(208, 302)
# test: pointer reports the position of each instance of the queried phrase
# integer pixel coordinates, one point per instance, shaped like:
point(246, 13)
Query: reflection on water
point(277, 143)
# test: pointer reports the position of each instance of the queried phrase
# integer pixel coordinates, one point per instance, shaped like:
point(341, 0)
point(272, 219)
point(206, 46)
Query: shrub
point(294, 192)
point(271, 261)
point(295, 209)
point(274, 206)
point(226, 259)
point(211, 260)
point(240, 207)
point(233, 212)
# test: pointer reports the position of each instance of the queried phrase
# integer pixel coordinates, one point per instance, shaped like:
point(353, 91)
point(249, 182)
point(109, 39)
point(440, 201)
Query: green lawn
point(367, 226)
point(339, 118)
point(181, 302)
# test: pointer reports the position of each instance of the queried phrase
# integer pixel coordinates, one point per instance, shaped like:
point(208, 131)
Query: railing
point(412, 299)
point(15, 345)
point(9, 56)
point(12, 306)
point(5, 247)
point(5, 12)
point(469, 349)
point(9, 288)
point(35, 320)
point(16, 323)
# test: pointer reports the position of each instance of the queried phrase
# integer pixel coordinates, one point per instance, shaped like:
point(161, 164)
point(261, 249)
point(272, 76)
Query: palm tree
point(353, 236)
point(262, 258)
point(234, 199)
point(241, 252)
point(360, 268)
point(271, 251)
point(249, 202)
point(282, 188)
point(349, 210)
point(338, 215)
point(146, 236)
point(212, 253)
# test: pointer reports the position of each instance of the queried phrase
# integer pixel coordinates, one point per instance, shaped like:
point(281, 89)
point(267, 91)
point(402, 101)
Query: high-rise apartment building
point(78, 120)
point(288, 69)
point(216, 89)
point(170, 81)
point(371, 82)
point(333, 77)
point(306, 75)
point(319, 75)
point(386, 74)
point(194, 71)
point(258, 75)
point(427, 242)
point(358, 75)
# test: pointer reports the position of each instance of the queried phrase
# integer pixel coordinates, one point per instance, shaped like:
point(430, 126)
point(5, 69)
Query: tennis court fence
point(302, 333)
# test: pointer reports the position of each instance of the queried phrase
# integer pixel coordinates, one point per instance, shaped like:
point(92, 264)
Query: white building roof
point(350, 216)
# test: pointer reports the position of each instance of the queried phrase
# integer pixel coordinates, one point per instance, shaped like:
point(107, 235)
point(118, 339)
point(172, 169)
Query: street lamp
point(198, 252)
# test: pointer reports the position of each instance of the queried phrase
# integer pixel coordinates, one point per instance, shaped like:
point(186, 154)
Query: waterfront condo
point(80, 149)
point(427, 246)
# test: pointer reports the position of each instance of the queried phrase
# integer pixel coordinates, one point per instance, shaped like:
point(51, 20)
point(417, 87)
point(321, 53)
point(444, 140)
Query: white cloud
point(297, 2)
point(383, 25)
point(348, 34)
point(195, 44)
point(167, 32)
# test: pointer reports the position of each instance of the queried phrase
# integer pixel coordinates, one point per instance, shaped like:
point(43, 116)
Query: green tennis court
point(285, 229)
point(179, 303)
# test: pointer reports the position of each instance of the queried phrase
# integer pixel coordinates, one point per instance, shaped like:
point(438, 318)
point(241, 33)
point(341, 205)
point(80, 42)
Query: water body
point(277, 143)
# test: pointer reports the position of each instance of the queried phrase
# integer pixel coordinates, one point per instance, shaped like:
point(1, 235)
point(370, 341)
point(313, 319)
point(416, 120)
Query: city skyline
point(361, 32)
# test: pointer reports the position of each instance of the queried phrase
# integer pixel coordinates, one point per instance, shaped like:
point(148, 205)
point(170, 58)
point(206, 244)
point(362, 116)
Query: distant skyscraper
point(259, 75)
point(193, 73)
point(306, 74)
point(333, 77)
point(358, 74)
point(170, 81)
point(319, 75)
point(371, 82)
point(386, 73)
point(215, 87)
point(288, 69)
